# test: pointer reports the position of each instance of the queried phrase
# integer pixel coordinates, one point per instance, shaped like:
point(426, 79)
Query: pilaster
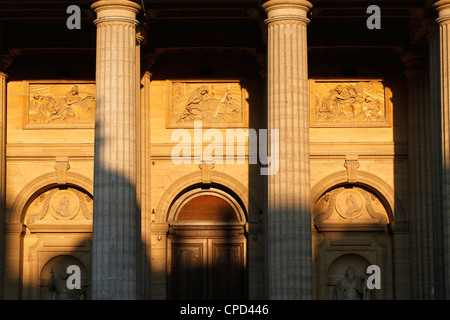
point(419, 175)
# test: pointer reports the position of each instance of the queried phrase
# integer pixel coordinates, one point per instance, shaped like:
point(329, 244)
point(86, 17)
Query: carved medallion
point(349, 209)
point(60, 204)
point(349, 204)
point(64, 205)
point(55, 105)
point(216, 104)
point(350, 103)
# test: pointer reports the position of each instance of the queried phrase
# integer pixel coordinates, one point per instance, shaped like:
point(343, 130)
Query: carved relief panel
point(60, 105)
point(346, 103)
point(349, 209)
point(216, 104)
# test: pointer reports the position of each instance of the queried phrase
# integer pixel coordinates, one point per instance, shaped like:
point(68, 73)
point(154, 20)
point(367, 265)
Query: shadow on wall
point(49, 227)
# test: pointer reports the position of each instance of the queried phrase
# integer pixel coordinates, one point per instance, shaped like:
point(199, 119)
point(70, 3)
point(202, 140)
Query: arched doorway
point(207, 247)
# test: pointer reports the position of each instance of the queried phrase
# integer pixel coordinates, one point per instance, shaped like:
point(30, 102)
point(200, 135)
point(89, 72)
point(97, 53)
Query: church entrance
point(207, 249)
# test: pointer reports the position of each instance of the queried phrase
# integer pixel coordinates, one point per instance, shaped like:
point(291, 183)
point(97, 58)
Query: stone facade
point(127, 149)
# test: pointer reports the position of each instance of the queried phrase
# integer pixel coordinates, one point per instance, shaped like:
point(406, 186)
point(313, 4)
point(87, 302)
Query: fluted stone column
point(443, 10)
point(115, 227)
point(419, 175)
point(3, 77)
point(288, 223)
point(436, 157)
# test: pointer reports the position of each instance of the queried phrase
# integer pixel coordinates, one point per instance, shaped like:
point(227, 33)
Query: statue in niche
point(351, 287)
point(59, 289)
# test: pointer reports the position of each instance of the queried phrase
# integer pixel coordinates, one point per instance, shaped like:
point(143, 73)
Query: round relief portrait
point(350, 204)
point(64, 205)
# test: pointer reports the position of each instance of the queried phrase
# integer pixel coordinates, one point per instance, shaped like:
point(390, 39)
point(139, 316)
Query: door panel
point(213, 268)
point(188, 269)
point(227, 268)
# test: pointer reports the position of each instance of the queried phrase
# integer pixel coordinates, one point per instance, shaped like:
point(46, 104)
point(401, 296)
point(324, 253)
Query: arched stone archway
point(40, 183)
point(187, 197)
point(219, 180)
point(207, 246)
point(368, 180)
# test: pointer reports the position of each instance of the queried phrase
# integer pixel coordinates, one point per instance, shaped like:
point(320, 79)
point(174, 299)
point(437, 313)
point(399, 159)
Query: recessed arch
point(39, 184)
point(366, 180)
point(186, 198)
point(220, 181)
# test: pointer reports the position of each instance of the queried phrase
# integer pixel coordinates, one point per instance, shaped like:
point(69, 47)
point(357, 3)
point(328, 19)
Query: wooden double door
point(207, 268)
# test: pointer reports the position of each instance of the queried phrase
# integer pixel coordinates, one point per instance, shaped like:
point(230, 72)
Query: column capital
point(115, 10)
point(442, 7)
point(282, 10)
point(148, 60)
point(147, 74)
point(5, 62)
point(415, 62)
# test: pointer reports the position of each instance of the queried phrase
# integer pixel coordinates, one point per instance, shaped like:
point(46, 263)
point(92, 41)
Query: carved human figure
point(45, 105)
point(226, 106)
point(351, 287)
point(350, 103)
point(218, 103)
point(80, 103)
point(352, 205)
point(193, 109)
point(63, 208)
point(59, 289)
point(74, 105)
point(371, 109)
point(330, 102)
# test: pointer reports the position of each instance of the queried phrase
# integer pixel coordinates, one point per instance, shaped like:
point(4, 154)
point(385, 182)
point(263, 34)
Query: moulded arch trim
point(195, 178)
point(178, 205)
point(365, 179)
point(17, 213)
